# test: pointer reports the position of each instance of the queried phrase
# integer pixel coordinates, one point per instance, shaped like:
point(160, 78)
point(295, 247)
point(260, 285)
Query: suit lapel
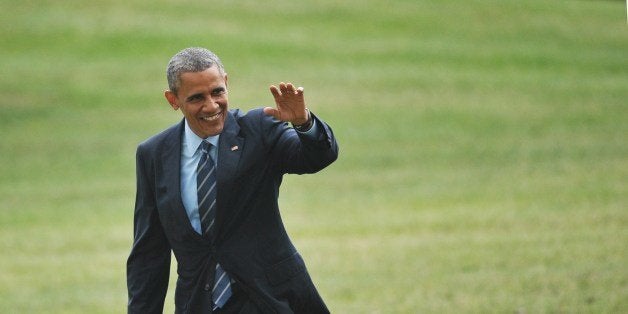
point(230, 149)
point(171, 166)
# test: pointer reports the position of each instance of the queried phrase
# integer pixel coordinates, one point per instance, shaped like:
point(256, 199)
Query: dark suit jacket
point(251, 243)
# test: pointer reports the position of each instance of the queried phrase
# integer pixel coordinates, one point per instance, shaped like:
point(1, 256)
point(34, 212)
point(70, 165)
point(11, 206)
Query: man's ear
point(226, 79)
point(172, 99)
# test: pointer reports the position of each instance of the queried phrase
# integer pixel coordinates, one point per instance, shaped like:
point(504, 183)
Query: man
point(207, 189)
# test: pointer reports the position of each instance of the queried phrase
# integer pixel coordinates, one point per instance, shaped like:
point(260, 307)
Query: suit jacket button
point(207, 287)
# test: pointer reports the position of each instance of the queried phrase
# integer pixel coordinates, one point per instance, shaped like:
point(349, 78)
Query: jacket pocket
point(285, 270)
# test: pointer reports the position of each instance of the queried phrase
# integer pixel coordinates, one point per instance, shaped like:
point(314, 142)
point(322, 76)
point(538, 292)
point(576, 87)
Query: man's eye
point(196, 98)
point(218, 92)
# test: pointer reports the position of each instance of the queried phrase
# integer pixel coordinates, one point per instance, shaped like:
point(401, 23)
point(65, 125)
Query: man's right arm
point(148, 265)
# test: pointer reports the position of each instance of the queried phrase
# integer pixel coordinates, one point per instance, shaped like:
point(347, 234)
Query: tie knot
point(205, 147)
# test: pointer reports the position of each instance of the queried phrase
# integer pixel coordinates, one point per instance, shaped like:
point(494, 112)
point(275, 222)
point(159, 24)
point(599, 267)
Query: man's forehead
point(208, 75)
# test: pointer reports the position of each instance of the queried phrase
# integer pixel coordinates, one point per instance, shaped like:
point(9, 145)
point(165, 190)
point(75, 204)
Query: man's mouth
point(213, 117)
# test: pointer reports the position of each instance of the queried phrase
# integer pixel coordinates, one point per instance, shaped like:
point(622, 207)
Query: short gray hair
point(192, 59)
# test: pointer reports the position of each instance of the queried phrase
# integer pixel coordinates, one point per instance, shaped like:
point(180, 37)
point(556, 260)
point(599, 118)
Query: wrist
point(305, 126)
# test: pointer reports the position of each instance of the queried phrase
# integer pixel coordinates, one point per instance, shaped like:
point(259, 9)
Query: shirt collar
point(191, 141)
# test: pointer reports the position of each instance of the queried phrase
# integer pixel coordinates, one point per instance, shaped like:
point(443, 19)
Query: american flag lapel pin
point(234, 148)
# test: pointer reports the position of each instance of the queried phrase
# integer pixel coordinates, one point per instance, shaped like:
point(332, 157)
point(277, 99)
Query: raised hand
point(290, 104)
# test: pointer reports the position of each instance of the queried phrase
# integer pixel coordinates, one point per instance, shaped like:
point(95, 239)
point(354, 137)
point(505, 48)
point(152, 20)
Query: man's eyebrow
point(191, 97)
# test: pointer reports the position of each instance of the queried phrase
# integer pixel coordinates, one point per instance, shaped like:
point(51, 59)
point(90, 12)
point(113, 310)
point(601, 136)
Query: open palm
point(290, 104)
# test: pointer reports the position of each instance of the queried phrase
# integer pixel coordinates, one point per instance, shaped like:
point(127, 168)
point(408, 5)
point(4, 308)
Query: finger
point(300, 90)
point(283, 87)
point(275, 91)
point(272, 112)
point(276, 95)
point(290, 88)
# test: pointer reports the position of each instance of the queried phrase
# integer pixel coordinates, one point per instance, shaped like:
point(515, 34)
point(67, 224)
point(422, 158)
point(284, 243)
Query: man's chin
point(213, 131)
point(206, 131)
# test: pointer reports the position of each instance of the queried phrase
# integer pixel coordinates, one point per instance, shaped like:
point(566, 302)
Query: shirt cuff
point(313, 131)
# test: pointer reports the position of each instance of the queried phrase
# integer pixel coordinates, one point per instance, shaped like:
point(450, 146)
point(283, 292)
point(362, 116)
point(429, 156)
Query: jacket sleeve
point(300, 153)
point(148, 265)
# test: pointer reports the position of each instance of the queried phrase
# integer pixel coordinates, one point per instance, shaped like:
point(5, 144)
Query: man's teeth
point(211, 118)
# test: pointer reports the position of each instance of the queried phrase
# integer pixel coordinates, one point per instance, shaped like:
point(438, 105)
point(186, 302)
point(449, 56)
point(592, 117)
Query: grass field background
point(484, 148)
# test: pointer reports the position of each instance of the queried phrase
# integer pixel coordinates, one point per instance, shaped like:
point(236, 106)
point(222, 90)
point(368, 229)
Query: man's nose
point(210, 104)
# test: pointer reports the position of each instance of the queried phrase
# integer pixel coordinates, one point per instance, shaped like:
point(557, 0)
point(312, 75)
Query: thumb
point(272, 112)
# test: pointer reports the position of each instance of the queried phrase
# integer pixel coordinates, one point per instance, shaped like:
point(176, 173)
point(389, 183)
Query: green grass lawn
point(484, 146)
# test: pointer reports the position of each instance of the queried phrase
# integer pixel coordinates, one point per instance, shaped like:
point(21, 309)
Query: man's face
point(202, 97)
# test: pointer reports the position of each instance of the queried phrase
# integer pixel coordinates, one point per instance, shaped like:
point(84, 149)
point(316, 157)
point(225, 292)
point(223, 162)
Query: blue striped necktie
point(206, 190)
